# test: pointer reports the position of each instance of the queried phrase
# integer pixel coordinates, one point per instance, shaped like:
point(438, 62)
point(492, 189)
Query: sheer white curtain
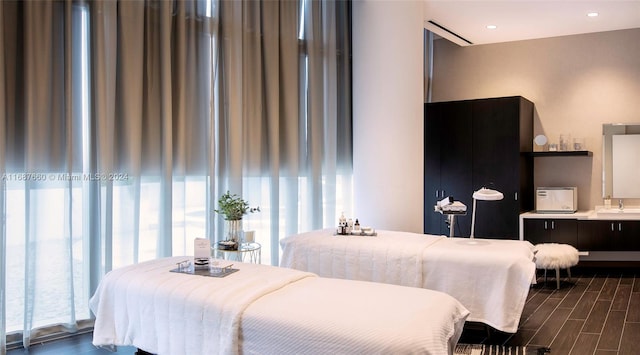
point(39, 252)
point(284, 113)
point(151, 103)
point(122, 122)
point(106, 130)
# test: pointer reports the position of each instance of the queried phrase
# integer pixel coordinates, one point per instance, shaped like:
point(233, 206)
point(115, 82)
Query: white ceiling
point(520, 20)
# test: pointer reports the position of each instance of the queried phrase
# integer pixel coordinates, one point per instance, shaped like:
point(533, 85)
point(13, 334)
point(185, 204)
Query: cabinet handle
point(545, 225)
point(620, 226)
point(437, 194)
point(553, 225)
point(516, 196)
point(612, 227)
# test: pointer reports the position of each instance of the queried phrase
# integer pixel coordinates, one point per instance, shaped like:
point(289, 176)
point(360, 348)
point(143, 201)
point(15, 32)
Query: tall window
point(125, 121)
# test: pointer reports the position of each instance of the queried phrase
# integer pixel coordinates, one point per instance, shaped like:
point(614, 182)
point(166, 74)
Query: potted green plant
point(232, 208)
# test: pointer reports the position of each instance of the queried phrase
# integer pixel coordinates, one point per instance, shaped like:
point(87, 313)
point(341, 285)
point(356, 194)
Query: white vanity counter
point(576, 215)
point(552, 216)
point(599, 235)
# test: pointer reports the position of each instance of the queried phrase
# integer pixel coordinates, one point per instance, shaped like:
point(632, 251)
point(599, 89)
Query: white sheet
point(169, 313)
point(265, 310)
point(491, 278)
point(389, 257)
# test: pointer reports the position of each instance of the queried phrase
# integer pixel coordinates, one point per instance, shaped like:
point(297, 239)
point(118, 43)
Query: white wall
point(577, 83)
point(388, 114)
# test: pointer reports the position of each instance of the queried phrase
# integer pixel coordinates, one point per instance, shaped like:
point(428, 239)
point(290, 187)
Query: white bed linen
point(491, 278)
point(267, 310)
point(389, 257)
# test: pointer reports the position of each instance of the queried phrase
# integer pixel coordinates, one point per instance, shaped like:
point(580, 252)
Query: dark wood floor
point(598, 313)
point(79, 344)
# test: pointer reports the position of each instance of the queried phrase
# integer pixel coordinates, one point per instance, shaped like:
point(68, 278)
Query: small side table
point(250, 251)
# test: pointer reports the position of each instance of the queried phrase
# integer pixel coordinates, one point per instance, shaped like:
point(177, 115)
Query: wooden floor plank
point(634, 308)
point(596, 283)
point(609, 289)
point(584, 306)
point(627, 278)
point(541, 314)
point(597, 317)
point(547, 333)
point(621, 299)
point(533, 303)
point(636, 283)
point(629, 341)
point(573, 296)
point(567, 336)
point(612, 331)
point(585, 344)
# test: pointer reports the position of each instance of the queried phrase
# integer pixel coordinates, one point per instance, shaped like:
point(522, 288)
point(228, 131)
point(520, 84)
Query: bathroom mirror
point(620, 163)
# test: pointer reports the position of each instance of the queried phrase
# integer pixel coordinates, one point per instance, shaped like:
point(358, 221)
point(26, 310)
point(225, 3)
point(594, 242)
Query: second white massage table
point(491, 278)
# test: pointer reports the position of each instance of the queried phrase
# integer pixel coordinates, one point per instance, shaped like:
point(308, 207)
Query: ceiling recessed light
point(592, 14)
point(492, 27)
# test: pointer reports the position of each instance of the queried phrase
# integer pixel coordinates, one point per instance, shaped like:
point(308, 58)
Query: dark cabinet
point(473, 144)
point(447, 163)
point(604, 235)
point(563, 231)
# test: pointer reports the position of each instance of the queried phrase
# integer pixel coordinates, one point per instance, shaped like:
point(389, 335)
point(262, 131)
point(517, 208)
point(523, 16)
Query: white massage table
point(268, 310)
point(491, 278)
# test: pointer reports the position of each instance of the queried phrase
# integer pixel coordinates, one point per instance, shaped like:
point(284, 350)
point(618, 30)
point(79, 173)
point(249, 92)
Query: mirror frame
point(608, 131)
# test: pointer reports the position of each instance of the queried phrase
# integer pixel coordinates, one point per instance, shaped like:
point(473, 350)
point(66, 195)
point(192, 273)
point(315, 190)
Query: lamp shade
point(485, 194)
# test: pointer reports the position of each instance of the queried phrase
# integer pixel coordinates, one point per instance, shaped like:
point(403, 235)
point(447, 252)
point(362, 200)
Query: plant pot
point(233, 233)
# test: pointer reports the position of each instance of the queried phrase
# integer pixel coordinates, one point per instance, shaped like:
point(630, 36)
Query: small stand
point(451, 219)
point(451, 210)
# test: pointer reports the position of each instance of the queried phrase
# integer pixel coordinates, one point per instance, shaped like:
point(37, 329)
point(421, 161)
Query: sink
point(615, 213)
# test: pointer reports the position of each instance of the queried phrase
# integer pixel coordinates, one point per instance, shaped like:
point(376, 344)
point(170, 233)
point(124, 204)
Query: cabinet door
point(596, 236)
point(609, 235)
point(432, 191)
point(563, 231)
point(456, 159)
point(628, 235)
point(496, 160)
point(535, 231)
point(447, 162)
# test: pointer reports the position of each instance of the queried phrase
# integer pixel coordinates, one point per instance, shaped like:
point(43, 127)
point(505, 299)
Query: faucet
point(620, 205)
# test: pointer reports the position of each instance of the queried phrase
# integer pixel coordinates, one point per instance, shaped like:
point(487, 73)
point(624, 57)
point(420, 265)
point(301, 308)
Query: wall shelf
point(570, 153)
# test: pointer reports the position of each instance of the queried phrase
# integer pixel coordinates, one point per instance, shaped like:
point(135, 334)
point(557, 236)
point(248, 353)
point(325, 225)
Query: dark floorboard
point(596, 312)
point(79, 344)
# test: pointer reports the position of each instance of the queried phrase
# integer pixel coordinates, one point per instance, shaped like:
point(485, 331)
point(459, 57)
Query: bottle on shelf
point(342, 224)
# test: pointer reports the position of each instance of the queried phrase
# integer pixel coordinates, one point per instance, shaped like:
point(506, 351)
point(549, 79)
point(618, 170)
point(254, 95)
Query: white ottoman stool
point(555, 256)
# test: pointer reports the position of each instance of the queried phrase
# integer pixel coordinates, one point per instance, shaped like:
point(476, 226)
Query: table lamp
point(483, 194)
